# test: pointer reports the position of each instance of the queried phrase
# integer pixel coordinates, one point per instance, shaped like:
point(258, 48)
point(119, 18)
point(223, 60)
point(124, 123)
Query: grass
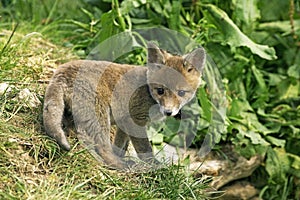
point(262, 95)
point(33, 167)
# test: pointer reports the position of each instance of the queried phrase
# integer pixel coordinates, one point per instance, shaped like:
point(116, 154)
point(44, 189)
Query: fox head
point(173, 80)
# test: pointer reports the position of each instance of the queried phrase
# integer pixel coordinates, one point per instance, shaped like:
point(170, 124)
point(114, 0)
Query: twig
point(291, 15)
point(9, 39)
point(22, 83)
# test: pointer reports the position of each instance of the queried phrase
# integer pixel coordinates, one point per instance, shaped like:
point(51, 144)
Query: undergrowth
point(255, 48)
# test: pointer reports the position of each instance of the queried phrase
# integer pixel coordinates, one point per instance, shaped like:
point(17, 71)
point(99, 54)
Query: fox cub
point(99, 94)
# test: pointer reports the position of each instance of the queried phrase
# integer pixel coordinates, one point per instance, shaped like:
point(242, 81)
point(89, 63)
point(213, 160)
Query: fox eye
point(190, 69)
point(181, 93)
point(160, 91)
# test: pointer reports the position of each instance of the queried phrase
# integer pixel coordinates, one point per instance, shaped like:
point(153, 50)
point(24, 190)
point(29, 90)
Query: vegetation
point(255, 45)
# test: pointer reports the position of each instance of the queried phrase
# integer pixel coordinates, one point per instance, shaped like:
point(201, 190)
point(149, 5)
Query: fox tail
point(53, 112)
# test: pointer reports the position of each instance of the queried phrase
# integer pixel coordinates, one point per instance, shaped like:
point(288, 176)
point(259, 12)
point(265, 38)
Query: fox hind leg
point(93, 127)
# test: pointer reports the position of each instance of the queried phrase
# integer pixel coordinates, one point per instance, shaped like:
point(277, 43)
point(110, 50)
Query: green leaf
point(246, 12)
point(233, 36)
point(289, 90)
point(115, 46)
point(205, 103)
point(128, 5)
point(277, 165)
point(156, 6)
point(255, 138)
point(89, 14)
point(174, 19)
point(241, 112)
point(140, 21)
point(295, 161)
point(245, 146)
point(108, 26)
point(79, 24)
point(238, 107)
point(280, 26)
point(275, 79)
point(261, 90)
point(274, 10)
point(276, 141)
point(294, 71)
point(259, 78)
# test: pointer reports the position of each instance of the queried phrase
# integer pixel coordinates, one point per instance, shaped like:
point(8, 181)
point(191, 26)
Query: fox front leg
point(121, 142)
point(143, 148)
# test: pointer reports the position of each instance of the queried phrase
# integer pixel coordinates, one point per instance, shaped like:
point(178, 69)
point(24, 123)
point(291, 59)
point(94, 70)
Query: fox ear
point(155, 55)
point(195, 59)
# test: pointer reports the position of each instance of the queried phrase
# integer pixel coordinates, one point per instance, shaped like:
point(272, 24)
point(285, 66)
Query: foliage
point(255, 48)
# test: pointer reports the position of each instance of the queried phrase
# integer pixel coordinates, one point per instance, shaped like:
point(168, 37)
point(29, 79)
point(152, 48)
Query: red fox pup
point(99, 94)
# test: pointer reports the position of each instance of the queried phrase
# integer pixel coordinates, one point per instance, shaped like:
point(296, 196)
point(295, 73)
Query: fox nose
point(168, 112)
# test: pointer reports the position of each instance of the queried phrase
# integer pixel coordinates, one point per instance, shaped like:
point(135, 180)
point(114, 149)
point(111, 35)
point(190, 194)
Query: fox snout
point(169, 107)
point(169, 111)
